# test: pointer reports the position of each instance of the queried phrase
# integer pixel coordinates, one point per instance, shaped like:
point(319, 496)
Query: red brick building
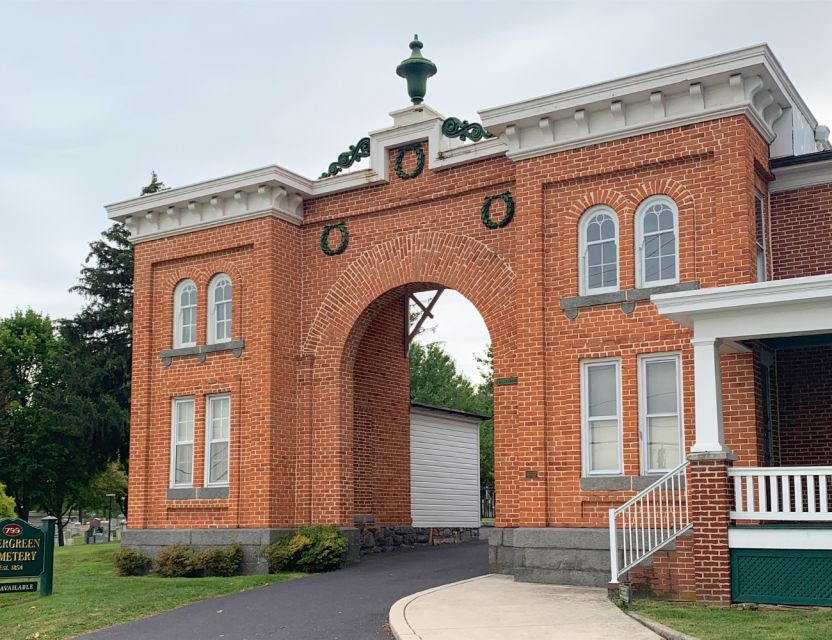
point(652, 257)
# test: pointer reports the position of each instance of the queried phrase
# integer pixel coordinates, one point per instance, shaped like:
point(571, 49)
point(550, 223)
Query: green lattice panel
point(775, 576)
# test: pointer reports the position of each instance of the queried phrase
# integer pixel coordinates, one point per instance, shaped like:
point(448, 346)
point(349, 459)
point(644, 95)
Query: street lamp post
point(110, 518)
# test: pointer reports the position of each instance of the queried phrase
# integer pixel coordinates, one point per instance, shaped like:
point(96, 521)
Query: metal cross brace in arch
point(426, 313)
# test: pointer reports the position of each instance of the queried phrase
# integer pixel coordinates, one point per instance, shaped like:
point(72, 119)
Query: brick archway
point(372, 281)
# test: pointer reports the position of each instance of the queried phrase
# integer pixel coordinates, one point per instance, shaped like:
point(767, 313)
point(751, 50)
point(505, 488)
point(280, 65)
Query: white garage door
point(444, 469)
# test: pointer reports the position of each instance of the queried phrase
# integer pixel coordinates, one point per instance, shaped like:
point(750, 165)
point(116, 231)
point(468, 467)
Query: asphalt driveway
point(351, 604)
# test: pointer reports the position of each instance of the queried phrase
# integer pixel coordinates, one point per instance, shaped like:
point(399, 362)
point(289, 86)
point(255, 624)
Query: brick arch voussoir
point(665, 187)
point(609, 197)
point(199, 276)
point(451, 260)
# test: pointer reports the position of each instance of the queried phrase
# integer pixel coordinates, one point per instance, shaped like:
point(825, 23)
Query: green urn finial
point(416, 70)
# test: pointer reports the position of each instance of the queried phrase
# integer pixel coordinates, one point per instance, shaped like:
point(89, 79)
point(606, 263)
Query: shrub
point(177, 561)
point(131, 562)
point(315, 548)
point(222, 561)
point(279, 555)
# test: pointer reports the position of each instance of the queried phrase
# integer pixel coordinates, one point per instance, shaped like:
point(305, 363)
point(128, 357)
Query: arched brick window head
point(184, 315)
point(598, 251)
point(219, 309)
point(657, 242)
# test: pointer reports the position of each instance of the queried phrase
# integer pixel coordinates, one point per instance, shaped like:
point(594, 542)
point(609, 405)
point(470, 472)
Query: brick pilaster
point(710, 496)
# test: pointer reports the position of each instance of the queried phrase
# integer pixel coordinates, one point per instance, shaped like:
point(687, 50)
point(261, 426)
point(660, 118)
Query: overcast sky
point(96, 94)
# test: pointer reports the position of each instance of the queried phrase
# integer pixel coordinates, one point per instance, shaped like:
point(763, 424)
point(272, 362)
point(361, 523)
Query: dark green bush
point(315, 548)
point(222, 561)
point(131, 562)
point(177, 561)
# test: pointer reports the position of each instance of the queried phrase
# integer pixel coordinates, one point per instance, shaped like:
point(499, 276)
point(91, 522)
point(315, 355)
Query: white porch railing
point(782, 493)
point(649, 520)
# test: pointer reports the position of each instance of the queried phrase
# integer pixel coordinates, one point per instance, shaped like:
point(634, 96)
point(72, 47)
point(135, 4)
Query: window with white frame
point(184, 315)
point(601, 409)
point(661, 412)
point(657, 242)
point(598, 251)
point(219, 309)
point(760, 224)
point(217, 434)
point(182, 443)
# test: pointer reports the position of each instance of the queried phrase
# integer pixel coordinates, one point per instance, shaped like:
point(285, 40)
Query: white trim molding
point(779, 538)
point(748, 81)
point(794, 306)
point(798, 176)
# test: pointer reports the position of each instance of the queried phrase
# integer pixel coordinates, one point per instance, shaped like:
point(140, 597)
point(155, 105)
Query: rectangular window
point(217, 432)
point(601, 409)
point(660, 409)
point(760, 220)
point(182, 449)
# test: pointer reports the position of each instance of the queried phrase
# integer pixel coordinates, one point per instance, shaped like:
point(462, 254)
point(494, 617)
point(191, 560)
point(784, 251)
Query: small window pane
point(603, 436)
point(667, 244)
point(663, 442)
point(666, 218)
point(652, 269)
point(593, 232)
point(661, 387)
point(218, 462)
point(607, 229)
point(594, 253)
point(651, 223)
point(602, 391)
point(651, 246)
point(184, 470)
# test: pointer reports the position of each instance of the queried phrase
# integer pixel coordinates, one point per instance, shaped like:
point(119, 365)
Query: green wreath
point(420, 161)
point(486, 210)
point(345, 239)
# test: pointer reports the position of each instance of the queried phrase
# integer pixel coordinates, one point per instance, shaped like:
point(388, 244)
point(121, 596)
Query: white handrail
point(791, 494)
point(649, 520)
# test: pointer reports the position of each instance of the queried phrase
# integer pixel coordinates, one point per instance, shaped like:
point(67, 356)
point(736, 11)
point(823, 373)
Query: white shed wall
point(444, 469)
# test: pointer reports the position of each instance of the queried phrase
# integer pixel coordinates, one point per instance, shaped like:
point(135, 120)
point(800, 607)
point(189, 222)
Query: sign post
point(48, 526)
point(27, 552)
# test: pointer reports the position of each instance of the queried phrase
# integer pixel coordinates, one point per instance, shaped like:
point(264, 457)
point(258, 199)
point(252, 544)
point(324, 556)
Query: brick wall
point(381, 419)
point(804, 393)
point(302, 423)
point(801, 232)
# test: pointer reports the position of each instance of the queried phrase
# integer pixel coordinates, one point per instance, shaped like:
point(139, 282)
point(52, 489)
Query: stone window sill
point(617, 483)
point(627, 299)
point(201, 351)
point(198, 493)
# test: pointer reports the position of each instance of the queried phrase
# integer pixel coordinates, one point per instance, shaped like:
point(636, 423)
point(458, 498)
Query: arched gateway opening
point(356, 375)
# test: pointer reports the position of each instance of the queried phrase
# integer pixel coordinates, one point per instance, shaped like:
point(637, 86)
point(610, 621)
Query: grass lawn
point(88, 594)
point(709, 623)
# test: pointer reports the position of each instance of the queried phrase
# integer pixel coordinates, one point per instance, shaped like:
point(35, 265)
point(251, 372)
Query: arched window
point(598, 246)
point(219, 309)
point(657, 242)
point(184, 315)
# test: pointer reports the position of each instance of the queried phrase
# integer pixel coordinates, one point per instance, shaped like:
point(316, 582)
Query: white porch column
point(708, 394)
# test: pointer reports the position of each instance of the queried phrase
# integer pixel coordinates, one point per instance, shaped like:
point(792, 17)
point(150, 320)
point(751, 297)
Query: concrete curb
point(656, 627)
point(398, 622)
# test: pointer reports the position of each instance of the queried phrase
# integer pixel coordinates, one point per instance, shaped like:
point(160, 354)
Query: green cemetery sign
point(26, 552)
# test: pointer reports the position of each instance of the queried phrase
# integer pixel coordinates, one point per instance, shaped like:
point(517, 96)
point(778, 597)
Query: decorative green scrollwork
point(420, 161)
point(345, 239)
point(486, 210)
point(348, 158)
point(464, 130)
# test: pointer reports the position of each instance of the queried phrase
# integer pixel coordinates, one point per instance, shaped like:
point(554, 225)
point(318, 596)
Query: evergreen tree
point(99, 337)
point(435, 380)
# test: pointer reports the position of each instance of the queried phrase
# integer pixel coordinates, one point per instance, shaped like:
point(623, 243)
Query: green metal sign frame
point(27, 552)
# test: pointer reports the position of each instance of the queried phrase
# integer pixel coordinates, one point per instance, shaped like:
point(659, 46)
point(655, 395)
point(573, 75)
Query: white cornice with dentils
point(749, 81)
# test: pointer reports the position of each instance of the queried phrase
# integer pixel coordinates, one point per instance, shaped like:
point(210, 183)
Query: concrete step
point(566, 559)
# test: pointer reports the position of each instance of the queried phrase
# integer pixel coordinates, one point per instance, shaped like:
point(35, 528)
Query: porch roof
point(795, 306)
